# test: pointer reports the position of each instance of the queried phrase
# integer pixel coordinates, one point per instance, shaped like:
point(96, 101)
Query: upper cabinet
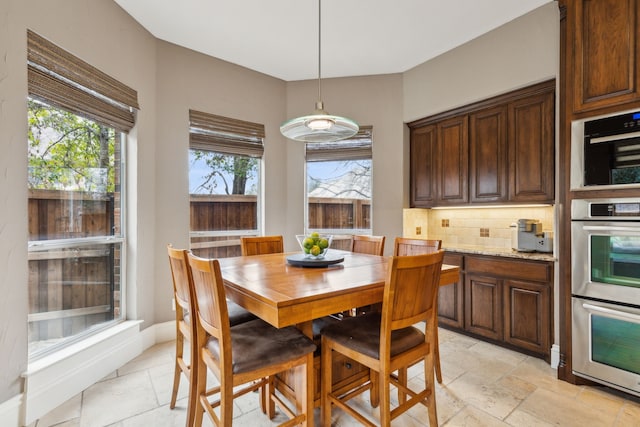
point(603, 57)
point(492, 152)
point(452, 161)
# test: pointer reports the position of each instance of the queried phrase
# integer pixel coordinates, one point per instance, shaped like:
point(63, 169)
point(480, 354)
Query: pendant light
point(319, 126)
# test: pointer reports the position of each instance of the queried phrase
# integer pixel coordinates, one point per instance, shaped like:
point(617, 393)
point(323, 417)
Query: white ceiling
point(359, 37)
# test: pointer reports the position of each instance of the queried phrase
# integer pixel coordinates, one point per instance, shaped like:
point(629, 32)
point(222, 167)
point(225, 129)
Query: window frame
point(63, 81)
point(228, 136)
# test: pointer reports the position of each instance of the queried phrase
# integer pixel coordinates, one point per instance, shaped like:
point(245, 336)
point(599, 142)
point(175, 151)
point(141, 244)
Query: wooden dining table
point(286, 295)
point(283, 294)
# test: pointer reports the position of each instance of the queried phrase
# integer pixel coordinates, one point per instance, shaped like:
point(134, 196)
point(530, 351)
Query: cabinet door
point(488, 151)
point(423, 171)
point(450, 297)
point(453, 161)
point(527, 313)
point(531, 149)
point(604, 67)
point(483, 306)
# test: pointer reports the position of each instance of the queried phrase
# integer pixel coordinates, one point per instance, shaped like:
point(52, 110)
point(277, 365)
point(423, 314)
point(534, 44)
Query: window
point(339, 187)
point(224, 183)
point(78, 119)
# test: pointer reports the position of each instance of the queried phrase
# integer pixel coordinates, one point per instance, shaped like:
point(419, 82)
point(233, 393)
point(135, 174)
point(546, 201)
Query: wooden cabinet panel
point(605, 52)
point(531, 149)
point(423, 166)
point(450, 297)
point(453, 161)
point(482, 304)
point(540, 271)
point(488, 155)
point(527, 315)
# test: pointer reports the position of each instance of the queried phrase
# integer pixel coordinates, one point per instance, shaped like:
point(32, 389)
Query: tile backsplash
point(487, 227)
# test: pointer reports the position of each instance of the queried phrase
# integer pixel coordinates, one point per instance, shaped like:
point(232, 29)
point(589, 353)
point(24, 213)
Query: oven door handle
point(622, 315)
point(611, 228)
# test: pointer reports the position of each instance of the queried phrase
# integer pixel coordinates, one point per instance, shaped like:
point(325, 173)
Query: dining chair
point(186, 323)
point(257, 245)
point(411, 246)
point(388, 341)
point(372, 245)
point(244, 357)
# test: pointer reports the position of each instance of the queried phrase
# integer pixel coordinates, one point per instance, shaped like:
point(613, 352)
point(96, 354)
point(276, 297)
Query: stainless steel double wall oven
point(605, 251)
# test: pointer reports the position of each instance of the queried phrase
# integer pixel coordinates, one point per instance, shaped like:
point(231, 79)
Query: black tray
point(299, 260)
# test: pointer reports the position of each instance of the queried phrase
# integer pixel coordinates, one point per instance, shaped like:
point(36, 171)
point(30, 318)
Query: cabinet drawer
point(454, 259)
point(513, 268)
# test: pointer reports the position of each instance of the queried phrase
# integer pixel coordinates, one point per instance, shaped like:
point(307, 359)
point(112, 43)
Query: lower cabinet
point(505, 300)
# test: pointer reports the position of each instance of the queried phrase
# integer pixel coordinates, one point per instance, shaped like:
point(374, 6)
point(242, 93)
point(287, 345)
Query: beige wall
point(169, 81)
point(521, 52)
point(372, 100)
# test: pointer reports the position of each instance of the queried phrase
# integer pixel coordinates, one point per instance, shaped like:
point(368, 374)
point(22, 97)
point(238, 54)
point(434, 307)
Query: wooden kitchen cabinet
point(483, 306)
point(603, 53)
point(450, 297)
point(452, 156)
point(531, 149)
point(505, 300)
point(423, 166)
point(527, 315)
point(495, 151)
point(488, 155)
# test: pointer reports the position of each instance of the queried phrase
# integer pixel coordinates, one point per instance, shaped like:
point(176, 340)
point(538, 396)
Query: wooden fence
point(71, 290)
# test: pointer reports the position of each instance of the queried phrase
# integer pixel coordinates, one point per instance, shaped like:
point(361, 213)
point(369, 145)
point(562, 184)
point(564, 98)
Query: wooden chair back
point(259, 245)
point(210, 302)
point(185, 323)
point(409, 246)
point(372, 245)
point(180, 274)
point(411, 292)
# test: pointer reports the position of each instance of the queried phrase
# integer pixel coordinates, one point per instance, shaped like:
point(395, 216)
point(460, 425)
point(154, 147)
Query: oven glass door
point(606, 260)
point(615, 259)
point(606, 343)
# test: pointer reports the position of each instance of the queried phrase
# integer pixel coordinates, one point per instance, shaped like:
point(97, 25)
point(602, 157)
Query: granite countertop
point(504, 252)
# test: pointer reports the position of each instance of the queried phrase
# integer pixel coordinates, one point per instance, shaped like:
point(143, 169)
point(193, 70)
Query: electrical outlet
point(418, 230)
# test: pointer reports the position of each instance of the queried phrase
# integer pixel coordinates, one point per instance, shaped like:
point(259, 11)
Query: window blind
point(59, 78)
point(357, 147)
point(225, 135)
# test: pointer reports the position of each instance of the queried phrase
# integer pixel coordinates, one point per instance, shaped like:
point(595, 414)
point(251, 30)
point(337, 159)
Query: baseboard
point(10, 411)
point(555, 356)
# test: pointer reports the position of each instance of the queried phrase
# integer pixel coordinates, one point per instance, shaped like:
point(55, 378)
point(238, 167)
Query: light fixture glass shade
point(319, 127)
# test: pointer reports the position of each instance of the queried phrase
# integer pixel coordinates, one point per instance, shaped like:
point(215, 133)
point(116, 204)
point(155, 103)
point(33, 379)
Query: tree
point(224, 167)
point(68, 152)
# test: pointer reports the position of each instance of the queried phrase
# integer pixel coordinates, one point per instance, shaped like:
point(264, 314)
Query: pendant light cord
point(319, 49)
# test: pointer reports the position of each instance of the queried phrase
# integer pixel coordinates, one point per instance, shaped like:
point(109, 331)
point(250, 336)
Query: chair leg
point(402, 379)
point(374, 391)
point(270, 405)
point(325, 384)
point(226, 403)
point(385, 404)
point(430, 383)
point(436, 354)
point(200, 390)
point(177, 372)
point(307, 399)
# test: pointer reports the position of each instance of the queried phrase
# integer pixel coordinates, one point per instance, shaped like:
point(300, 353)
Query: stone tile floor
point(483, 385)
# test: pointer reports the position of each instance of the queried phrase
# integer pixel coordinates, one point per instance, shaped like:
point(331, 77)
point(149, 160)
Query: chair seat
point(256, 344)
point(237, 314)
point(362, 334)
